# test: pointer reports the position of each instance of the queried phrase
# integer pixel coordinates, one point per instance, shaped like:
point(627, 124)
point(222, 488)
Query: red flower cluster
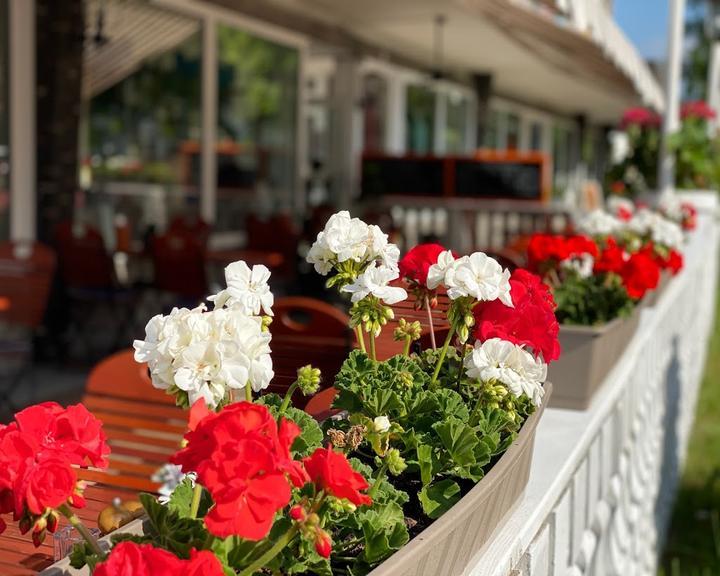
point(415, 264)
point(612, 258)
point(145, 560)
point(243, 458)
point(330, 471)
point(548, 249)
point(639, 274)
point(697, 109)
point(689, 216)
point(640, 117)
point(37, 454)
point(531, 322)
point(673, 261)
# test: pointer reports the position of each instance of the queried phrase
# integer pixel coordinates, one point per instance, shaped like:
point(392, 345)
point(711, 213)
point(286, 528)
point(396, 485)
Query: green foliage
point(437, 435)
point(695, 155)
point(181, 499)
point(311, 436)
point(638, 170)
point(591, 301)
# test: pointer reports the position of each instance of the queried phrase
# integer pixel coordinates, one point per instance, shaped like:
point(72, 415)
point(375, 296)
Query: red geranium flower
point(531, 322)
point(689, 216)
point(697, 109)
point(415, 264)
point(640, 117)
point(547, 250)
point(640, 274)
point(330, 471)
point(203, 563)
point(139, 560)
point(243, 458)
point(47, 483)
point(612, 258)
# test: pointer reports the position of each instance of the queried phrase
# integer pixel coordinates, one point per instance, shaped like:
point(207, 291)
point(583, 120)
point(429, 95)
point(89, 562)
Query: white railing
point(603, 481)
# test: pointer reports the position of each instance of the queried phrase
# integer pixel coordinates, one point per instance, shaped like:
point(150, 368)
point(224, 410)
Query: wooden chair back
point(307, 331)
point(26, 273)
point(179, 262)
point(84, 262)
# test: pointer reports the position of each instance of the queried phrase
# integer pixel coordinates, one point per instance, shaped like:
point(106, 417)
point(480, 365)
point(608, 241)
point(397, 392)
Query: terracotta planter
point(449, 544)
point(588, 354)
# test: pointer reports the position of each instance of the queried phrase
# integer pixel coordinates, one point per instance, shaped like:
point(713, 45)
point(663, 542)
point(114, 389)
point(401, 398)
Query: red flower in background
point(203, 563)
point(640, 117)
point(131, 559)
point(697, 109)
point(689, 221)
point(531, 322)
point(612, 258)
point(330, 471)
point(640, 274)
point(243, 458)
point(415, 264)
point(672, 262)
point(548, 249)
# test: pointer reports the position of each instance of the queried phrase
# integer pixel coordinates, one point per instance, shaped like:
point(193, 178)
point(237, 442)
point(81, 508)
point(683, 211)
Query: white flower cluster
point(599, 223)
point(345, 238)
point(375, 281)
point(672, 207)
point(582, 264)
point(656, 227)
point(508, 364)
point(207, 354)
point(478, 276)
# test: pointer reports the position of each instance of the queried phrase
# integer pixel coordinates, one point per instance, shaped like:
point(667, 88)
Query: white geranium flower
point(381, 424)
point(671, 205)
point(618, 204)
point(508, 364)
point(375, 280)
point(656, 227)
point(582, 264)
point(380, 249)
point(320, 256)
point(438, 272)
point(599, 223)
point(346, 237)
point(247, 289)
point(480, 277)
point(196, 372)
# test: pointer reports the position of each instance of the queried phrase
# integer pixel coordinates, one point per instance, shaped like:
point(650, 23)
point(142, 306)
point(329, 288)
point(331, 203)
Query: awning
point(133, 32)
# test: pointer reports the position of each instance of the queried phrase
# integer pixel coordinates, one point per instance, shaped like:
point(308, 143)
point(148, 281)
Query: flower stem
point(443, 353)
point(408, 342)
point(288, 397)
point(195, 503)
point(248, 391)
point(376, 483)
point(283, 541)
point(360, 338)
point(76, 523)
point(430, 322)
point(372, 346)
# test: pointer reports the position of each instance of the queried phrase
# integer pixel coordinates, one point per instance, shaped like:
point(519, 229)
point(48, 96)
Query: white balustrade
point(603, 481)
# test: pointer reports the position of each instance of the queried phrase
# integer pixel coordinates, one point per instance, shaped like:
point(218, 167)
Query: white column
point(209, 104)
point(671, 122)
point(396, 123)
point(23, 176)
point(343, 157)
point(440, 124)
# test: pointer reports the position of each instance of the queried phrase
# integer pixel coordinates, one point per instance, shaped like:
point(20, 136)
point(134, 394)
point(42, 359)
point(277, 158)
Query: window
point(420, 119)
point(457, 126)
point(491, 136)
point(257, 110)
point(143, 115)
point(4, 116)
point(536, 137)
point(512, 141)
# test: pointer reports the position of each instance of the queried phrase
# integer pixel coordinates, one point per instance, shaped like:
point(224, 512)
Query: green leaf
point(438, 498)
point(311, 436)
point(384, 532)
point(426, 462)
point(452, 404)
point(459, 440)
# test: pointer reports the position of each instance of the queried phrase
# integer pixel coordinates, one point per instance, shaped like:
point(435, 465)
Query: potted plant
point(431, 442)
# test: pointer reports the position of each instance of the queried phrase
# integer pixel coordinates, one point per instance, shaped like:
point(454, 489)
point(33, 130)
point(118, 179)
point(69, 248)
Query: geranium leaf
point(438, 498)
point(459, 440)
point(384, 531)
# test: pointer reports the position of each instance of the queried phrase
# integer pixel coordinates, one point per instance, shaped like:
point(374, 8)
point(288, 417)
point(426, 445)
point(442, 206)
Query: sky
point(645, 22)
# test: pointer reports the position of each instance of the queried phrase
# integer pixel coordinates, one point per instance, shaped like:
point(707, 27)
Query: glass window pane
point(420, 119)
point(142, 121)
point(513, 132)
point(455, 133)
point(374, 106)
point(4, 116)
point(491, 130)
point(536, 136)
point(257, 94)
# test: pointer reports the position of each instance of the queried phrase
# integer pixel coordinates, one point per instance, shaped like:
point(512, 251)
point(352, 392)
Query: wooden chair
point(26, 273)
point(179, 262)
point(307, 331)
point(84, 262)
point(277, 234)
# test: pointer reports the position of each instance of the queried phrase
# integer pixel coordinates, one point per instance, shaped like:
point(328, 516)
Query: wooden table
point(18, 556)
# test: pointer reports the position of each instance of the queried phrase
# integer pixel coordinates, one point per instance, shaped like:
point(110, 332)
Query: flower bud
point(38, 538)
point(323, 543)
point(40, 524)
point(312, 519)
point(298, 513)
point(24, 525)
point(266, 321)
point(433, 302)
point(52, 521)
point(381, 424)
point(308, 379)
point(396, 463)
